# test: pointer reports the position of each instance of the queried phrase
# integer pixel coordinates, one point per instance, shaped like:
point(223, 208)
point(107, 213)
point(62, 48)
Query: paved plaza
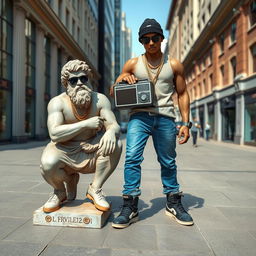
point(219, 185)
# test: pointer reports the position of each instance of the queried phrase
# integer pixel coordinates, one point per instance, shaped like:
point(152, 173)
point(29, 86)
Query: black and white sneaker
point(175, 209)
point(129, 213)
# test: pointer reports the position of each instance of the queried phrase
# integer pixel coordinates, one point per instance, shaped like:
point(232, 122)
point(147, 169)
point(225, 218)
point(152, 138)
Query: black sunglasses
point(73, 80)
point(146, 39)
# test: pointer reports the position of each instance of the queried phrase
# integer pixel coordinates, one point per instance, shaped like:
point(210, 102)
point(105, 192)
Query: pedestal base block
point(72, 214)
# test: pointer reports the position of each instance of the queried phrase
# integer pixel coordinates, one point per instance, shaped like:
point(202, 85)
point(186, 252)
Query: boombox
point(140, 94)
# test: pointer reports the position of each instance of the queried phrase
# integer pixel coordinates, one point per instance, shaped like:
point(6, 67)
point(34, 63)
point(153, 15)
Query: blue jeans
point(163, 131)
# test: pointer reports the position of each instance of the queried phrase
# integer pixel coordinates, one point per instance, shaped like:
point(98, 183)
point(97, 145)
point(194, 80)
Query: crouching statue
point(84, 139)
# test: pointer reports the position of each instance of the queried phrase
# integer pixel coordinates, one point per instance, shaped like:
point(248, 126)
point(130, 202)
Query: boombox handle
point(139, 80)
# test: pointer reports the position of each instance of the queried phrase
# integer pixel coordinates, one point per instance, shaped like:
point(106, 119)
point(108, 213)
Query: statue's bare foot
point(98, 198)
point(54, 202)
point(72, 187)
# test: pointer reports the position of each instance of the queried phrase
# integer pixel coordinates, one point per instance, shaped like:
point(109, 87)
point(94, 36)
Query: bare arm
point(183, 97)
point(60, 132)
point(108, 141)
point(126, 75)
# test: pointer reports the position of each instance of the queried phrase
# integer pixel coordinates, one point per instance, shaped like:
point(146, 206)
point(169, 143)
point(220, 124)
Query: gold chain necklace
point(159, 68)
point(154, 67)
point(76, 114)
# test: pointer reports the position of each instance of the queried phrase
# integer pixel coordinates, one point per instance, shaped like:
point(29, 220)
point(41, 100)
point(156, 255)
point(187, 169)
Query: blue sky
point(138, 10)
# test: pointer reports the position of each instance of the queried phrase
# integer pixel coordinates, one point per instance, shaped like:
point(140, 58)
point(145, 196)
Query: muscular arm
point(127, 74)
point(108, 141)
point(183, 97)
point(60, 132)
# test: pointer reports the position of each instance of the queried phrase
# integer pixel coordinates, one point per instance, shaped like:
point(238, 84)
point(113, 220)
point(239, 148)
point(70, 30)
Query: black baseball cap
point(150, 26)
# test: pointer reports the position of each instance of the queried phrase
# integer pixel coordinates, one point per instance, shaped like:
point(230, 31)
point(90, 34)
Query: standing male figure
point(157, 121)
point(194, 131)
point(84, 138)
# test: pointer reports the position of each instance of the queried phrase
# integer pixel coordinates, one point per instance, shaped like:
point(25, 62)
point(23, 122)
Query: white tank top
point(164, 88)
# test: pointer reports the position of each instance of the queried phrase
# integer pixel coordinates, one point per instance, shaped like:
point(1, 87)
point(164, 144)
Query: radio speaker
point(135, 95)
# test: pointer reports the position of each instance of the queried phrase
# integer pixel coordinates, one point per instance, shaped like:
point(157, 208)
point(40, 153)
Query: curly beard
point(80, 96)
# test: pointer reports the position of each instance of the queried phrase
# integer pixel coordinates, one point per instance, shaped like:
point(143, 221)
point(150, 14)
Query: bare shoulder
point(177, 66)
point(57, 103)
point(101, 100)
point(130, 64)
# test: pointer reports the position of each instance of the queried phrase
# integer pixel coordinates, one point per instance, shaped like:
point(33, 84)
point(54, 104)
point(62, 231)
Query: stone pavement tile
point(138, 237)
point(203, 179)
point(7, 225)
point(60, 250)
point(20, 204)
point(240, 198)
point(30, 233)
point(230, 243)
point(173, 252)
point(81, 237)
point(253, 233)
point(20, 186)
point(181, 239)
point(245, 186)
point(243, 218)
point(204, 217)
point(23, 172)
point(15, 248)
point(41, 187)
point(210, 197)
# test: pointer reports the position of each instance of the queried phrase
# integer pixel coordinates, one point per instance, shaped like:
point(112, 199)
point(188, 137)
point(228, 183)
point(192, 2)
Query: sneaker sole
point(101, 208)
point(133, 220)
point(190, 223)
point(49, 210)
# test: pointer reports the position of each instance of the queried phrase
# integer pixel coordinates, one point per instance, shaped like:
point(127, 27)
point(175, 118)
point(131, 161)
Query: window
point(222, 75)
point(60, 9)
point(47, 74)
point(252, 14)
point(47, 51)
point(233, 66)
point(194, 93)
point(30, 63)
point(210, 82)
point(233, 33)
point(210, 57)
point(73, 27)
point(253, 57)
point(78, 34)
point(59, 67)
point(221, 43)
point(199, 90)
point(204, 89)
point(6, 31)
point(209, 9)
point(67, 19)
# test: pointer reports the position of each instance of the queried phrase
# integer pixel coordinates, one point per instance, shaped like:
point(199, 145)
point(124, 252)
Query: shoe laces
point(180, 207)
point(126, 210)
point(177, 201)
point(100, 194)
point(53, 197)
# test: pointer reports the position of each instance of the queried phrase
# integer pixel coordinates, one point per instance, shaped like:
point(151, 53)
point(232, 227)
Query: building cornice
point(171, 13)
point(43, 14)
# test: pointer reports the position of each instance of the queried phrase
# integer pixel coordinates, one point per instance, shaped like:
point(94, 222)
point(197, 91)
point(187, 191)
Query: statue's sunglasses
point(73, 80)
point(147, 39)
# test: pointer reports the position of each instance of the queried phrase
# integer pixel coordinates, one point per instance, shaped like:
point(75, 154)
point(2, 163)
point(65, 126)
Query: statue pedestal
point(72, 214)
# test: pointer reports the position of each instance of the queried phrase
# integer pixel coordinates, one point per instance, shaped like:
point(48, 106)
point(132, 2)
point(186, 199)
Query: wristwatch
point(188, 124)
